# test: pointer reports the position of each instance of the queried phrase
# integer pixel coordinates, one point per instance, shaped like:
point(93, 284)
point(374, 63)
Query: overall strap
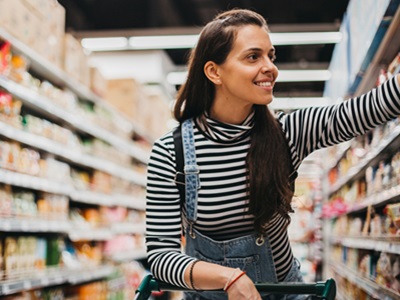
point(187, 176)
point(179, 161)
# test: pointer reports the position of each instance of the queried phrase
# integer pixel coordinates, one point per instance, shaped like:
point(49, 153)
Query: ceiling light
point(105, 44)
point(178, 78)
point(305, 38)
point(189, 41)
point(162, 42)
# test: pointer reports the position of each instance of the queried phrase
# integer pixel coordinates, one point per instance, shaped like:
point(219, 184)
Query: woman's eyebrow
point(257, 49)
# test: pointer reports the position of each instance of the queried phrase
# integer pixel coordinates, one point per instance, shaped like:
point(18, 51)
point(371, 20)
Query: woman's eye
point(253, 57)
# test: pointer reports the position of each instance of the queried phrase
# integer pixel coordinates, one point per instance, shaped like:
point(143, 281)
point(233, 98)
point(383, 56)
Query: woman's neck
point(230, 114)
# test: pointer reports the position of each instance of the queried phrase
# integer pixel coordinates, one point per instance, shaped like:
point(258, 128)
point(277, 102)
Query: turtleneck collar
point(223, 132)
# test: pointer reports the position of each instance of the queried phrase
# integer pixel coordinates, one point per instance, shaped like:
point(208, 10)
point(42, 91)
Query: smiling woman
point(241, 162)
point(245, 78)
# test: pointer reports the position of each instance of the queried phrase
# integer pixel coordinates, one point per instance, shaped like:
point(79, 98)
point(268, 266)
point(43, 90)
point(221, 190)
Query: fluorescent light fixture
point(105, 44)
point(178, 78)
point(305, 38)
point(298, 102)
point(189, 41)
point(163, 42)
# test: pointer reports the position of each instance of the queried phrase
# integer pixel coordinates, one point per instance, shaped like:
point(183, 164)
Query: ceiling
point(152, 16)
point(87, 18)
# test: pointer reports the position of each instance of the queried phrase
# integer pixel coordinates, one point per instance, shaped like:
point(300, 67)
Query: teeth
point(267, 83)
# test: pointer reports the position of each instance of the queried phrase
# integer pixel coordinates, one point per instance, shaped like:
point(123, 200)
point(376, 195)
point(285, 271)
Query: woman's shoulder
point(165, 139)
point(165, 142)
point(281, 117)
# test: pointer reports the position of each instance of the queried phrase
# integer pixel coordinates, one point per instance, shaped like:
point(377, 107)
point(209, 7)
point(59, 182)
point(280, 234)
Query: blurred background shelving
point(77, 125)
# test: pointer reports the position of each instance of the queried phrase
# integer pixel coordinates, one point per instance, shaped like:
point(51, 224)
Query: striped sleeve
point(314, 128)
point(163, 219)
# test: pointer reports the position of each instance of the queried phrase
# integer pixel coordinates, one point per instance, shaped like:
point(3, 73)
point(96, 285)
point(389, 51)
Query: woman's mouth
point(264, 83)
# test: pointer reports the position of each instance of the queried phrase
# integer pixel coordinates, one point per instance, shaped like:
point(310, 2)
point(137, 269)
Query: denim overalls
point(251, 253)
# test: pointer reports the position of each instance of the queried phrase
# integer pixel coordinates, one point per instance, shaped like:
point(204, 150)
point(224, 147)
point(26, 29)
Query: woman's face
point(248, 74)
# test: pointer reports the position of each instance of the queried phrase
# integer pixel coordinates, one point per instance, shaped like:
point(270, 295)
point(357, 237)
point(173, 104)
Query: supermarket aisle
point(72, 165)
point(302, 234)
point(73, 157)
point(361, 182)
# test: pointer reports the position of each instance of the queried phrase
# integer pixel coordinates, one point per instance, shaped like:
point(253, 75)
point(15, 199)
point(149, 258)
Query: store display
point(362, 249)
point(73, 154)
point(71, 174)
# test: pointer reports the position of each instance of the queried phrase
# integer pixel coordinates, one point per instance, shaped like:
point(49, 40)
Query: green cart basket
point(325, 290)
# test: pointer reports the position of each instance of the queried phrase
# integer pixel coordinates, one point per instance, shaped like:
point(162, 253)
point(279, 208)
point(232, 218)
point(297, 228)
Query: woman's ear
point(211, 71)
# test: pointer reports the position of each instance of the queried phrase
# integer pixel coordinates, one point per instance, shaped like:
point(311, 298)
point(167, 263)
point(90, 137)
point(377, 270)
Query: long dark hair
point(268, 160)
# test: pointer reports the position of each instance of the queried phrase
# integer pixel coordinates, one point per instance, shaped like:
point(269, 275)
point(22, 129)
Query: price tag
point(27, 285)
point(24, 225)
point(6, 225)
point(45, 281)
point(5, 289)
point(43, 226)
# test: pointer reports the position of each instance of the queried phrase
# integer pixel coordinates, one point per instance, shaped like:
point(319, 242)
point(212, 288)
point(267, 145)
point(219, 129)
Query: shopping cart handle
point(326, 290)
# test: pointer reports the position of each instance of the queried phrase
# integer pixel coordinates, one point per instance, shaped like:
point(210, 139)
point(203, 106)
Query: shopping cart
point(325, 290)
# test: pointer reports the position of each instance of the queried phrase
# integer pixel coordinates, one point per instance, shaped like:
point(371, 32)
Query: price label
point(27, 285)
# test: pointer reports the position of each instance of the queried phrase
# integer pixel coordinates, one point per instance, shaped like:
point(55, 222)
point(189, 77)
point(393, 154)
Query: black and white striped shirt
point(222, 199)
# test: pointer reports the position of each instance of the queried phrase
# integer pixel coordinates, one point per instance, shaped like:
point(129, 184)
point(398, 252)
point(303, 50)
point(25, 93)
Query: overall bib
point(251, 253)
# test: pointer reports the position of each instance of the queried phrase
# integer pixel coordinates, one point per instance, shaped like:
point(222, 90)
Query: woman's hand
point(243, 289)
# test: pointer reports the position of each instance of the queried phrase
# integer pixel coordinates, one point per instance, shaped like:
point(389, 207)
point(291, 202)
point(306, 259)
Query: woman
point(247, 159)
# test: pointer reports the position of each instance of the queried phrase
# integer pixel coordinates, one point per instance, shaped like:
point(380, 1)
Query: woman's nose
point(268, 66)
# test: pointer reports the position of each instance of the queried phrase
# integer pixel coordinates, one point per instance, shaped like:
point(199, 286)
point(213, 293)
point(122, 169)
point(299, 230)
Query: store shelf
point(54, 276)
point(130, 202)
point(108, 199)
point(128, 228)
point(79, 232)
point(364, 283)
point(129, 255)
point(340, 151)
point(46, 69)
point(50, 186)
point(371, 158)
point(76, 232)
point(37, 280)
point(34, 183)
point(387, 196)
point(93, 198)
point(388, 244)
point(133, 157)
point(45, 106)
point(84, 232)
point(71, 155)
point(33, 224)
point(385, 46)
point(90, 274)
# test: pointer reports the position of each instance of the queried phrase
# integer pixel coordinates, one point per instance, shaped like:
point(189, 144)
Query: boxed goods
point(39, 24)
point(5, 57)
point(123, 94)
point(72, 56)
point(51, 46)
point(10, 256)
point(98, 84)
point(84, 73)
point(19, 20)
